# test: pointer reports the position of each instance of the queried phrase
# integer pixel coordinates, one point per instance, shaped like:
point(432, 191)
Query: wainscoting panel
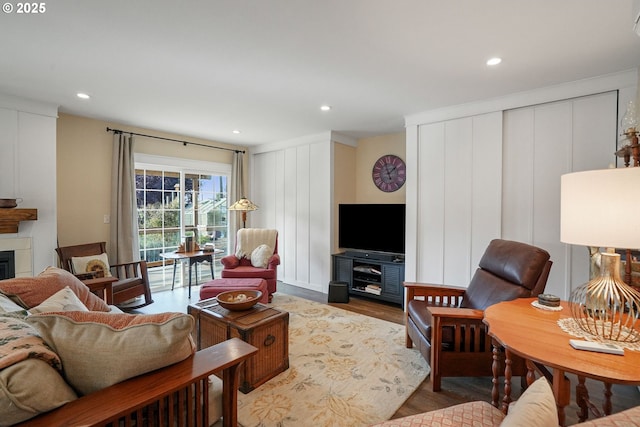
point(542, 143)
point(459, 196)
point(297, 202)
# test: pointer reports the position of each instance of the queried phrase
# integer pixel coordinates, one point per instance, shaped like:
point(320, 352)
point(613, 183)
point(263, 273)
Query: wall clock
point(389, 173)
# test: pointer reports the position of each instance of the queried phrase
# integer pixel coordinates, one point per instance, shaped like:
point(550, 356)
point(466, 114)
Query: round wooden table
point(534, 335)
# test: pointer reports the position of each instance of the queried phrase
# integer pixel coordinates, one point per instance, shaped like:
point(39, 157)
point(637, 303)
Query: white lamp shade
point(601, 208)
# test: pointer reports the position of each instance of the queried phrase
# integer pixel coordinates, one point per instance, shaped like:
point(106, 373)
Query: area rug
point(345, 370)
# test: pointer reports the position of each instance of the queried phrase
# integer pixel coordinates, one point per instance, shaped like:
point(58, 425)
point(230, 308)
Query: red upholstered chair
point(255, 256)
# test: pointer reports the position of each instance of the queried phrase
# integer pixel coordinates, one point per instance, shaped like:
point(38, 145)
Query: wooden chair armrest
point(457, 313)
point(86, 276)
point(103, 406)
point(435, 295)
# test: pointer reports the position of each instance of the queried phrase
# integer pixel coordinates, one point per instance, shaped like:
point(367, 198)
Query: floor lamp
point(244, 205)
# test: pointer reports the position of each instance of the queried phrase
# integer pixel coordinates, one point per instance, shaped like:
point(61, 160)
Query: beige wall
point(369, 150)
point(352, 173)
point(84, 172)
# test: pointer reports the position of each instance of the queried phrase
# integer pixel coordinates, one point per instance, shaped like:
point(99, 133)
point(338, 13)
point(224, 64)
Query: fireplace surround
point(21, 249)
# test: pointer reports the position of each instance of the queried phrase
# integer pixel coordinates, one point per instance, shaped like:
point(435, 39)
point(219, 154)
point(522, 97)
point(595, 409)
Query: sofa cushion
point(260, 256)
point(63, 300)
point(536, 407)
point(20, 341)
point(29, 388)
point(32, 291)
point(97, 264)
point(101, 349)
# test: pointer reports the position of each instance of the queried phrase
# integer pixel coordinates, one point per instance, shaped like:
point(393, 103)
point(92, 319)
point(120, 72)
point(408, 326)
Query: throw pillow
point(32, 291)
point(535, 408)
point(260, 256)
point(98, 264)
point(63, 300)
point(7, 305)
point(29, 388)
point(101, 349)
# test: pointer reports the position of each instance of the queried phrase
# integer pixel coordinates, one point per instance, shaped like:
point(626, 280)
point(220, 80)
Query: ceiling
point(264, 67)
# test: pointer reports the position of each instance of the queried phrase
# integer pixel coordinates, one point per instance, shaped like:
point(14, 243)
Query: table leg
point(211, 265)
point(173, 282)
point(606, 405)
point(562, 392)
point(190, 279)
point(582, 396)
point(507, 381)
point(495, 370)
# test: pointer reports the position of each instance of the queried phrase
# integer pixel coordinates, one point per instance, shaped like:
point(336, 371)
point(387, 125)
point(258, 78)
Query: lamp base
point(606, 307)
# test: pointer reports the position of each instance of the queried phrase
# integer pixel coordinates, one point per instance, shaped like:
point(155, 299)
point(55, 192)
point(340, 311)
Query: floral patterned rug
point(345, 370)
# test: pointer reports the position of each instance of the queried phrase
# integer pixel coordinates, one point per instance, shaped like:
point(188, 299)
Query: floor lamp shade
point(601, 208)
point(244, 205)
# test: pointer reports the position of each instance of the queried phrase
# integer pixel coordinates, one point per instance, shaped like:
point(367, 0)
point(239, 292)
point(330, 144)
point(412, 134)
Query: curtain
point(236, 192)
point(123, 244)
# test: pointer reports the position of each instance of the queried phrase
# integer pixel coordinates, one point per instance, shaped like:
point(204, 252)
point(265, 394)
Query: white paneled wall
point(541, 143)
point(28, 171)
point(292, 186)
point(458, 196)
point(498, 175)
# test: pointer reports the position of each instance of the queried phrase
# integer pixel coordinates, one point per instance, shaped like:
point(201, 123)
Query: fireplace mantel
point(10, 218)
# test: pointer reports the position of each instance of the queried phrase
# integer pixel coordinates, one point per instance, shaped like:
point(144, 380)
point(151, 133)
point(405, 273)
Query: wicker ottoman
point(213, 287)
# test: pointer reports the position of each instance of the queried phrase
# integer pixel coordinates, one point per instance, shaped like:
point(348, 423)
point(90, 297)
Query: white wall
point(291, 182)
point(452, 203)
point(541, 143)
point(28, 171)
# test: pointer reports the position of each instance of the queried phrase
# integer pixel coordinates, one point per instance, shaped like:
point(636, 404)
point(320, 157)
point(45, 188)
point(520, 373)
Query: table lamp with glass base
point(598, 209)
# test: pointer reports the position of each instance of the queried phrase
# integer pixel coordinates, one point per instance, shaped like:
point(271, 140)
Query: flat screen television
point(372, 227)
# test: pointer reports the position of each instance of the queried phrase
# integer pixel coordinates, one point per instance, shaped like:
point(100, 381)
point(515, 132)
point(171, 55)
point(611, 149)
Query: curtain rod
point(174, 140)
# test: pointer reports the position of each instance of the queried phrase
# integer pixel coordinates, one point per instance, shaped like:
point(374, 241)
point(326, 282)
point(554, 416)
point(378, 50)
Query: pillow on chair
point(260, 256)
point(98, 264)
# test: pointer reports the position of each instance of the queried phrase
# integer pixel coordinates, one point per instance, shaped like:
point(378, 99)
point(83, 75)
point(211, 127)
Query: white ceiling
point(204, 68)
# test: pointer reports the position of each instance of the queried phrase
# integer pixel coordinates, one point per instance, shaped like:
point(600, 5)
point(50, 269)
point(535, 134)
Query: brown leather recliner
point(445, 322)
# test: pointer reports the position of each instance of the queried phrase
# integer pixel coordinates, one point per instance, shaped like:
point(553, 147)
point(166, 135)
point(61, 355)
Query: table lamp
point(601, 208)
point(244, 205)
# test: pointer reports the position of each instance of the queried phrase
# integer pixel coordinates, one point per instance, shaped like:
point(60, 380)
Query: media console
point(371, 274)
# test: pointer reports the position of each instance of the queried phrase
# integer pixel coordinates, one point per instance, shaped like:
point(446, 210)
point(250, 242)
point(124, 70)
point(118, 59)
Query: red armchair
point(255, 256)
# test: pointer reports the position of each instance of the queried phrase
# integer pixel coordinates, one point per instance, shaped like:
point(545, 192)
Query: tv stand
point(378, 256)
point(379, 279)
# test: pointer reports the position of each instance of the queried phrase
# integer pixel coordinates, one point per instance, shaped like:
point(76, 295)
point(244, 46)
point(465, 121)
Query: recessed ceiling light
point(325, 107)
point(236, 131)
point(494, 61)
point(82, 95)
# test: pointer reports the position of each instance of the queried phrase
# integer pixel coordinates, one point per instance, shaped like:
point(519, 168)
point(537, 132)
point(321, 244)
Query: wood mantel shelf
point(10, 218)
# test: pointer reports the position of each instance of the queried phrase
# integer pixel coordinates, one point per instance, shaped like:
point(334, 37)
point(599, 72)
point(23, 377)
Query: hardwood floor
point(454, 390)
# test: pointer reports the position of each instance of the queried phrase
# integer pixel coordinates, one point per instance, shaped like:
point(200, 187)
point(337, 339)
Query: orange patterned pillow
point(32, 291)
point(100, 349)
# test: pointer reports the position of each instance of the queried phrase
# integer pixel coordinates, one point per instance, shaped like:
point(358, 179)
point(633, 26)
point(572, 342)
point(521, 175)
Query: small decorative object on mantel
point(9, 203)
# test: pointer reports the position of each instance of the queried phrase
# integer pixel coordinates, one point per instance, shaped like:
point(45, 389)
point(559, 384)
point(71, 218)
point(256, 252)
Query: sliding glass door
point(175, 202)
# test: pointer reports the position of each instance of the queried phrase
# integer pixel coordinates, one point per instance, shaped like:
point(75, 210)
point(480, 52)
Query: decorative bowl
point(239, 300)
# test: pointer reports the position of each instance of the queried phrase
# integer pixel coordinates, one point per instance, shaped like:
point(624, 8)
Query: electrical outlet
point(107, 219)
